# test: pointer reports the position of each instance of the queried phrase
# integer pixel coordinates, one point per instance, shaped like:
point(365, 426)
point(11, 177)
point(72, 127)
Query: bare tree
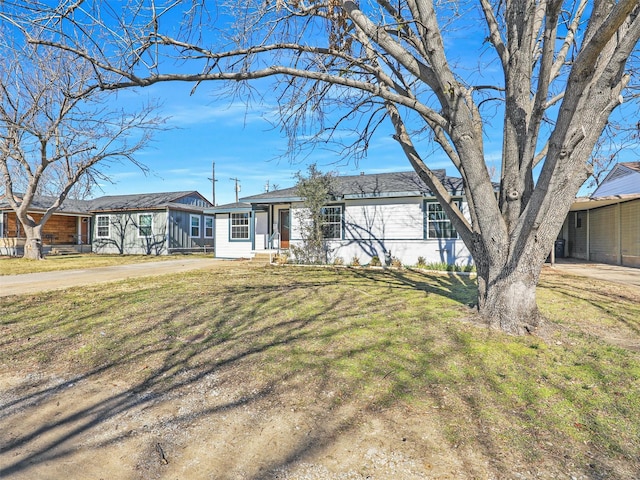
point(563, 68)
point(617, 137)
point(57, 133)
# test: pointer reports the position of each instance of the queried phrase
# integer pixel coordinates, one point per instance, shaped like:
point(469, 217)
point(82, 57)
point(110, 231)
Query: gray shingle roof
point(232, 206)
point(140, 201)
point(631, 165)
point(397, 184)
point(43, 202)
point(114, 203)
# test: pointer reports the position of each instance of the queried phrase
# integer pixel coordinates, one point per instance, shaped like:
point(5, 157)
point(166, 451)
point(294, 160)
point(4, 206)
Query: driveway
point(600, 271)
point(40, 282)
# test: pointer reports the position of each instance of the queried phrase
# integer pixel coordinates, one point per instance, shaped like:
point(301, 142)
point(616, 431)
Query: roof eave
point(586, 203)
point(254, 200)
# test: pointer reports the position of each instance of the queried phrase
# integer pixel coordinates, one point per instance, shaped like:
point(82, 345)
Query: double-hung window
point(332, 222)
point(195, 226)
point(208, 227)
point(102, 226)
point(145, 224)
point(438, 224)
point(239, 226)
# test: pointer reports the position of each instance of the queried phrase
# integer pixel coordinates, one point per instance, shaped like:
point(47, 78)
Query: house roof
point(631, 165)
point(114, 203)
point(41, 203)
point(397, 184)
point(231, 207)
point(142, 201)
point(623, 179)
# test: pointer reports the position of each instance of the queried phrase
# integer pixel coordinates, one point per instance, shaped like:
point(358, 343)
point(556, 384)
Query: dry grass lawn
point(319, 373)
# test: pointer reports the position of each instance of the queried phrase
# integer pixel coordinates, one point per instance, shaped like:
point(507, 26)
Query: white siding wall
point(390, 219)
point(261, 230)
point(225, 248)
point(407, 251)
point(374, 227)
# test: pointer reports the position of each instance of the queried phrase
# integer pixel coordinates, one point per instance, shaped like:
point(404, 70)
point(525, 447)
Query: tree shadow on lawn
point(603, 305)
point(269, 372)
point(459, 288)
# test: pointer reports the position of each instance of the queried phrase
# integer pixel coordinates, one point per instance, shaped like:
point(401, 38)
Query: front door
point(284, 225)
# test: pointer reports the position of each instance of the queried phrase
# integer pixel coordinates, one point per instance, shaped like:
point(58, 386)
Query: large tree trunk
point(33, 244)
point(507, 299)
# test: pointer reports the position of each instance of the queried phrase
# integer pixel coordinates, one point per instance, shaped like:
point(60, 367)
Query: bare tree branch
point(56, 133)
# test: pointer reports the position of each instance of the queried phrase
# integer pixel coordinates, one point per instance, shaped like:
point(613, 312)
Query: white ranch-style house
point(379, 215)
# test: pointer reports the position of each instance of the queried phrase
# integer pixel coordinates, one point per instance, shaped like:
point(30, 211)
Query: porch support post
point(78, 230)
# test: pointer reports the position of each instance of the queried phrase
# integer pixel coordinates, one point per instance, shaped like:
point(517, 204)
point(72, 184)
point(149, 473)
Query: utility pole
point(213, 183)
point(237, 180)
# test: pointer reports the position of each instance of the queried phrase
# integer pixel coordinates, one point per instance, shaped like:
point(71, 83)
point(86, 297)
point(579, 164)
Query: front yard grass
point(15, 266)
point(567, 400)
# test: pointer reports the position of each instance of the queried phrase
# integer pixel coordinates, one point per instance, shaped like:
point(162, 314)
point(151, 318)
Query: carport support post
point(619, 214)
point(553, 255)
point(588, 235)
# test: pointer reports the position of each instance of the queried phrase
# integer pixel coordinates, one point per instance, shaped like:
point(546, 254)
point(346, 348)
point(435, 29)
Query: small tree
point(56, 132)
point(315, 190)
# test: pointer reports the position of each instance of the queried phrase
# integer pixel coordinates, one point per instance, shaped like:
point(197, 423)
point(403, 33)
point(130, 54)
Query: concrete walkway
point(61, 279)
point(601, 271)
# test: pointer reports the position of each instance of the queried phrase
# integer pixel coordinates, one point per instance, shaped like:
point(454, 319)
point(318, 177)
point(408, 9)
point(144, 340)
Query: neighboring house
point(69, 225)
point(388, 214)
point(606, 226)
point(153, 223)
point(156, 223)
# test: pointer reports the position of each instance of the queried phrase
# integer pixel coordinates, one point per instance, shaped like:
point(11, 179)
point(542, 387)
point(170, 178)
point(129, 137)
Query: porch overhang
point(585, 203)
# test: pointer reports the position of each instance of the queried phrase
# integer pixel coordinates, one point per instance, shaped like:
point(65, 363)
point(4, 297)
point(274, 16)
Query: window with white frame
point(195, 226)
point(239, 226)
point(102, 226)
point(145, 224)
point(208, 227)
point(332, 222)
point(438, 224)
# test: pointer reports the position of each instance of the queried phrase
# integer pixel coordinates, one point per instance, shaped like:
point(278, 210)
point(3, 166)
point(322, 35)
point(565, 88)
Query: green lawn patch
point(374, 337)
point(15, 266)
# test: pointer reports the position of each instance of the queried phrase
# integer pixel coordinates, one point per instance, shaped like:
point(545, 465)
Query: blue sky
point(203, 129)
point(243, 145)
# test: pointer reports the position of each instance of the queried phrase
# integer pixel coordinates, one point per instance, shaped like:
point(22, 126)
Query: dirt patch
point(220, 426)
